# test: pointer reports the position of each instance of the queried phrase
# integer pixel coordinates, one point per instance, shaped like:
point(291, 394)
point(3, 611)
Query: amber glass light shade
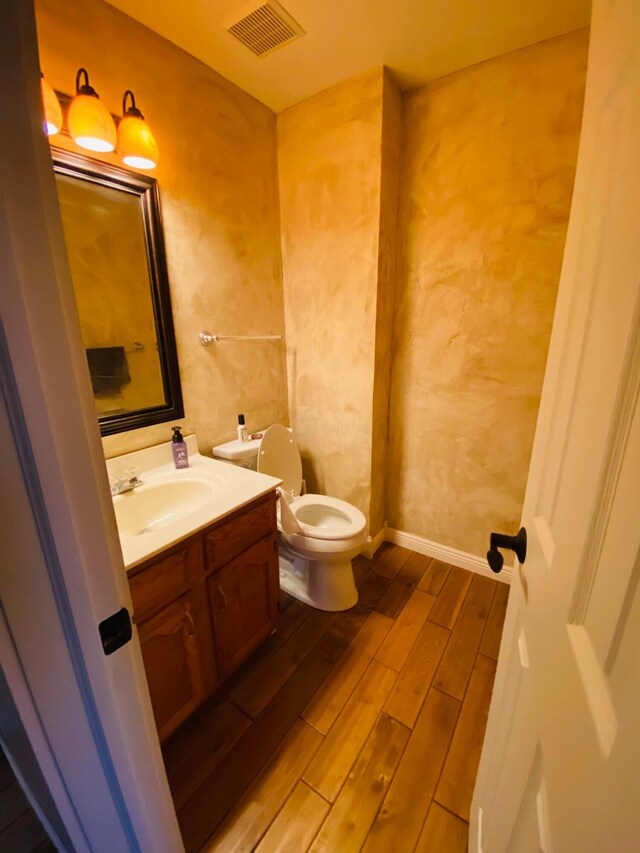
point(136, 143)
point(90, 123)
point(51, 107)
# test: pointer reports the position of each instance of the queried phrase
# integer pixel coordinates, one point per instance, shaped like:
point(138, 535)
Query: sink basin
point(171, 504)
point(154, 506)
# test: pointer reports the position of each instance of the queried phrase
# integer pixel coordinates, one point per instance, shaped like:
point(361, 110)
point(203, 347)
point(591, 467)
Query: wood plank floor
point(20, 829)
point(352, 731)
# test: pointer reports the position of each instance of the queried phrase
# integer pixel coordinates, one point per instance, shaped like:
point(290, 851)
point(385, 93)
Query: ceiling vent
point(265, 27)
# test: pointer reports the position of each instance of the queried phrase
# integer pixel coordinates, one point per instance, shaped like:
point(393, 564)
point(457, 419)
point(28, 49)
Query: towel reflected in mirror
point(108, 368)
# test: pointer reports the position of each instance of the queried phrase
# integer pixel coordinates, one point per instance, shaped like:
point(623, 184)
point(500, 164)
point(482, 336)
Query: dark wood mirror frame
point(146, 188)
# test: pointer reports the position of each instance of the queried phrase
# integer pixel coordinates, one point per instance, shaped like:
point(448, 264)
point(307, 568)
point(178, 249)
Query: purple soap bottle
point(179, 449)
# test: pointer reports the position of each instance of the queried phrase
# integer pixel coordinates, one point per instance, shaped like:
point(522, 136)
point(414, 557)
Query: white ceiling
point(419, 40)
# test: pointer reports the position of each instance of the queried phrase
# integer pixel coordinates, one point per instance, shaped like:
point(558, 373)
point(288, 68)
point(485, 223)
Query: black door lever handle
point(517, 543)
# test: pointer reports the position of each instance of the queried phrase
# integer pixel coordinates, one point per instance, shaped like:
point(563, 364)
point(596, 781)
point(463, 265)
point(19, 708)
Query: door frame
point(98, 750)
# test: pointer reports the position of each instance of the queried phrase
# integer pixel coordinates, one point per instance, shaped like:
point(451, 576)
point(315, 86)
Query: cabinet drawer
point(161, 581)
point(234, 536)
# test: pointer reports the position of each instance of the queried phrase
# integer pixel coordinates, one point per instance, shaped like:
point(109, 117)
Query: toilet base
point(323, 585)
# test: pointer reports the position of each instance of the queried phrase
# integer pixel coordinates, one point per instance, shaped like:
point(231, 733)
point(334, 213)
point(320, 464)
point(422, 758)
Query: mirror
point(113, 232)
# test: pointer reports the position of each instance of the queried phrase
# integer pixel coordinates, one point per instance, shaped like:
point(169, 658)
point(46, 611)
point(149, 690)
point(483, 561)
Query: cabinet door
point(172, 663)
point(243, 597)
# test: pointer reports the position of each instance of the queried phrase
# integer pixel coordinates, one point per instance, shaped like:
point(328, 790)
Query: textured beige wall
point(219, 196)
point(489, 159)
point(489, 166)
point(329, 154)
point(391, 158)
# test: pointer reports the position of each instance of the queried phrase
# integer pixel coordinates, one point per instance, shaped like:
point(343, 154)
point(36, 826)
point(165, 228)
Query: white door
point(560, 769)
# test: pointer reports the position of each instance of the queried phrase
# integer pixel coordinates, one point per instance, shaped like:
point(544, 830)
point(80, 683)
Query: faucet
point(125, 481)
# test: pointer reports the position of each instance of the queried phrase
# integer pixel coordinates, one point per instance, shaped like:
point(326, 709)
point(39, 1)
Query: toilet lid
point(279, 457)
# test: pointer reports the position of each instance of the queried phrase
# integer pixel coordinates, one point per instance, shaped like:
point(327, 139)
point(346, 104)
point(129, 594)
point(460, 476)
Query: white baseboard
point(446, 554)
point(372, 544)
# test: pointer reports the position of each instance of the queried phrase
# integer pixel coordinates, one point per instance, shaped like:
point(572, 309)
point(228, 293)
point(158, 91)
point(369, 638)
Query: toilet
point(318, 535)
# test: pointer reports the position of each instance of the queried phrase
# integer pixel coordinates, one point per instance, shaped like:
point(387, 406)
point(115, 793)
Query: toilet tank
point(242, 453)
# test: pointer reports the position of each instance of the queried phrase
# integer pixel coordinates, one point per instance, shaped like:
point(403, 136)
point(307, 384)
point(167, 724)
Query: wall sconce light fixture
point(90, 122)
point(136, 143)
point(51, 107)
point(91, 125)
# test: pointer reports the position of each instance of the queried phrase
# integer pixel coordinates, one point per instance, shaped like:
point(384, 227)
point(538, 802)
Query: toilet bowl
point(318, 535)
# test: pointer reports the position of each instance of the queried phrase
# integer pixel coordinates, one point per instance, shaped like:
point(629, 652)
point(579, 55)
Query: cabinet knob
point(222, 599)
point(192, 624)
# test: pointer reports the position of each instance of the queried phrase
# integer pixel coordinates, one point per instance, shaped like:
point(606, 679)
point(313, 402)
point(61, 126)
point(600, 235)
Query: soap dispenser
point(179, 449)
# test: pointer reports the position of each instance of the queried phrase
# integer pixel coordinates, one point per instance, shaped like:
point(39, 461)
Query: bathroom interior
point(383, 254)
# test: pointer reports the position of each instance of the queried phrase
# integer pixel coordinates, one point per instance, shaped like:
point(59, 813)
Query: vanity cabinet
point(203, 606)
point(173, 664)
point(242, 557)
point(244, 604)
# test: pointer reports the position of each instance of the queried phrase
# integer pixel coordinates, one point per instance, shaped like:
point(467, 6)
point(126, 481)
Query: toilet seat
point(324, 517)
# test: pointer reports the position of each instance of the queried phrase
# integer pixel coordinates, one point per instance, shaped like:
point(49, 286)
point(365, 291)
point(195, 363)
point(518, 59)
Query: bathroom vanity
point(203, 606)
point(206, 594)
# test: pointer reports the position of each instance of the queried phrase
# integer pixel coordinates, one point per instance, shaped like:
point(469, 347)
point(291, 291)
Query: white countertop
point(217, 490)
